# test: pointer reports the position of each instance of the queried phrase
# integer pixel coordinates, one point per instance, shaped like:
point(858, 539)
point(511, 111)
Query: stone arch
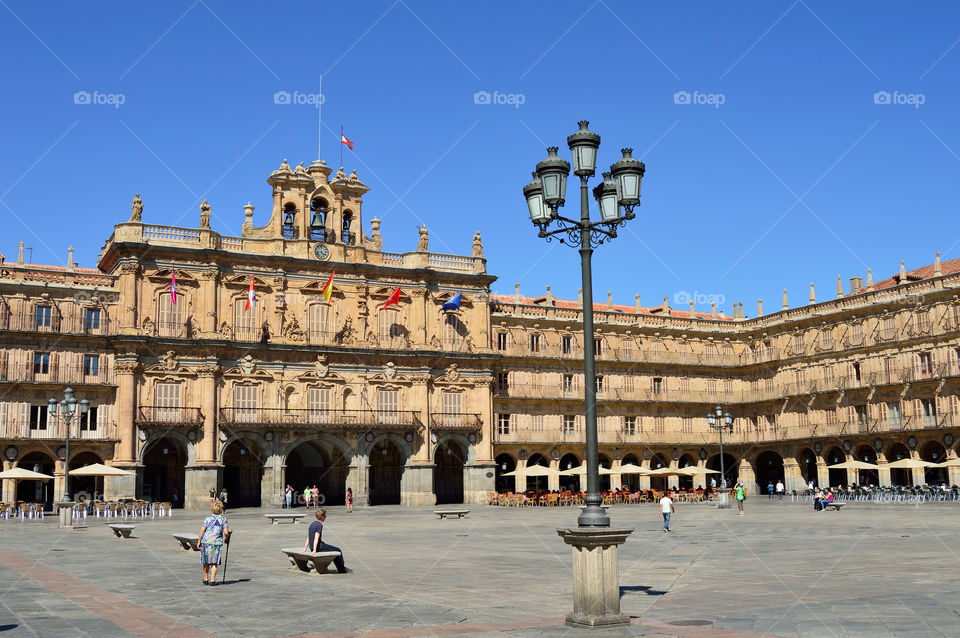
point(505, 464)
point(38, 460)
point(686, 460)
point(263, 447)
point(571, 483)
point(175, 436)
point(333, 442)
point(867, 454)
point(387, 457)
point(243, 456)
point(396, 439)
point(895, 452)
point(767, 468)
point(658, 461)
point(807, 461)
point(537, 483)
point(934, 452)
point(834, 455)
point(318, 460)
point(471, 451)
point(84, 487)
point(449, 456)
point(164, 457)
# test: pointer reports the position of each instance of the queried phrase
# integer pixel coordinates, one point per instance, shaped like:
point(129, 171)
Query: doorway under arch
point(899, 476)
point(84, 487)
point(658, 461)
point(807, 461)
point(835, 478)
point(570, 482)
point(934, 452)
point(606, 464)
point(630, 481)
point(163, 470)
point(385, 473)
point(730, 466)
point(242, 473)
point(685, 460)
point(448, 459)
point(37, 491)
point(537, 484)
point(309, 464)
point(867, 454)
point(505, 465)
point(768, 469)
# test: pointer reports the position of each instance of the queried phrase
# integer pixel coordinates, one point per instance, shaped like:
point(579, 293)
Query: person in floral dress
point(213, 534)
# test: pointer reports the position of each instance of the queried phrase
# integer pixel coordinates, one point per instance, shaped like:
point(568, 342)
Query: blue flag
point(453, 304)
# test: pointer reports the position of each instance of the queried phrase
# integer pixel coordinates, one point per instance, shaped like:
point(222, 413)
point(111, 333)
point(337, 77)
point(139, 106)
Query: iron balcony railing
point(53, 322)
point(168, 417)
point(321, 418)
point(20, 429)
point(76, 375)
point(455, 421)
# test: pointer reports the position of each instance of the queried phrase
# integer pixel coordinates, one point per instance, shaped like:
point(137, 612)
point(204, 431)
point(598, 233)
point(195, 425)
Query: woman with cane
point(213, 534)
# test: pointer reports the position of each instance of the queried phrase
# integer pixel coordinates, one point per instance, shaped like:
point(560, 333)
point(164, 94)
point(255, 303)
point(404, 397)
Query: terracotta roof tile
point(925, 272)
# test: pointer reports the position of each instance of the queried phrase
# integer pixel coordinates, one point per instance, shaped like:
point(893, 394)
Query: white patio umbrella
point(533, 470)
point(630, 468)
point(581, 470)
point(906, 464)
point(18, 474)
point(99, 469)
point(669, 471)
point(948, 463)
point(853, 465)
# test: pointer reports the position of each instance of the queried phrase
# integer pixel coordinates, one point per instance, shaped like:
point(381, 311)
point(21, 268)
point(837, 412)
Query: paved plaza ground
point(781, 570)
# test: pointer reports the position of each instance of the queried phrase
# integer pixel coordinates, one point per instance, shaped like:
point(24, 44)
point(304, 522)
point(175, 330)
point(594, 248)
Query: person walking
point(316, 496)
point(223, 497)
point(770, 491)
point(741, 497)
point(213, 533)
point(349, 500)
point(306, 496)
point(288, 496)
point(315, 542)
point(666, 509)
point(779, 489)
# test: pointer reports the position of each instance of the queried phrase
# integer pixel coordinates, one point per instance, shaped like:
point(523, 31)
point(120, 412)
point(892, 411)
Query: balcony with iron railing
point(455, 421)
point(75, 375)
point(25, 429)
point(57, 323)
point(153, 416)
point(268, 418)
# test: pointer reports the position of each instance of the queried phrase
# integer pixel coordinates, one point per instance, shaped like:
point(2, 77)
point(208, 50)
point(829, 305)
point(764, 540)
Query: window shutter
point(4, 356)
point(451, 408)
point(24, 419)
point(387, 405)
point(6, 429)
point(54, 318)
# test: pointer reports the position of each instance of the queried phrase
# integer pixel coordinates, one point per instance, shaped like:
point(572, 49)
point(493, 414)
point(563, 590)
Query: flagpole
point(319, 120)
point(341, 146)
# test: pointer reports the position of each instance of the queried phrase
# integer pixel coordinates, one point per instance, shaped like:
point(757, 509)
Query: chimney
point(903, 273)
point(70, 263)
point(839, 287)
point(937, 271)
point(20, 253)
point(609, 301)
point(856, 283)
point(636, 303)
point(516, 292)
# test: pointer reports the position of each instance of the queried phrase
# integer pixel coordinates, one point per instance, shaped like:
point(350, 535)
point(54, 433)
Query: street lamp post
point(720, 421)
point(616, 196)
point(67, 409)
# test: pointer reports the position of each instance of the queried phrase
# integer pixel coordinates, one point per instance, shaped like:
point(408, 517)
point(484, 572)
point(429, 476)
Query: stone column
point(883, 473)
point(128, 298)
point(419, 398)
point(793, 478)
point(357, 478)
point(823, 474)
point(596, 575)
point(553, 481)
point(208, 372)
point(746, 477)
point(418, 314)
point(9, 485)
point(125, 368)
point(207, 304)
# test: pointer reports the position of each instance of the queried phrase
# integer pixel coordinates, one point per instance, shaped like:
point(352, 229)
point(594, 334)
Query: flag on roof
point(328, 288)
point(251, 300)
point(454, 303)
point(394, 298)
point(344, 140)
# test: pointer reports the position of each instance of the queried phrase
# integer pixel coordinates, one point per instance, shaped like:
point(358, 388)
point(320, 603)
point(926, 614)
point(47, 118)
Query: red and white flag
point(394, 298)
point(344, 140)
point(251, 300)
point(173, 286)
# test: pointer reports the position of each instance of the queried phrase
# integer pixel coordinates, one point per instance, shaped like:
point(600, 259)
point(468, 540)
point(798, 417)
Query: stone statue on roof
point(424, 239)
point(137, 206)
point(205, 212)
point(477, 245)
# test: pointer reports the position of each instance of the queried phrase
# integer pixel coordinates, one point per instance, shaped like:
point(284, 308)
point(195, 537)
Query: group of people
point(821, 498)
point(775, 489)
point(221, 497)
point(311, 497)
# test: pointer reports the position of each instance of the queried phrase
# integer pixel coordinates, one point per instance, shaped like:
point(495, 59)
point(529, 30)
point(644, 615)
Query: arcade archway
point(630, 481)
point(835, 478)
point(311, 463)
point(37, 491)
point(385, 473)
point(163, 470)
point(569, 482)
point(730, 466)
point(867, 454)
point(899, 476)
point(505, 465)
point(537, 483)
point(768, 469)
point(658, 461)
point(448, 457)
point(807, 461)
point(242, 473)
point(934, 452)
point(685, 461)
point(84, 487)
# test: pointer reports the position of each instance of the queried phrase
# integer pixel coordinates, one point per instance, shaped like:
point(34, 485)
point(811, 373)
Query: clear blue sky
point(797, 176)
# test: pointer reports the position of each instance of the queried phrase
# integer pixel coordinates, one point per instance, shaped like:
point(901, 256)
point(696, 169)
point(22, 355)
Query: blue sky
point(780, 169)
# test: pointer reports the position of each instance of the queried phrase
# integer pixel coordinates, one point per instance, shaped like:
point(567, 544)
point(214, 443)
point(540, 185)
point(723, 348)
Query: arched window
point(169, 319)
point(289, 228)
point(346, 236)
point(318, 219)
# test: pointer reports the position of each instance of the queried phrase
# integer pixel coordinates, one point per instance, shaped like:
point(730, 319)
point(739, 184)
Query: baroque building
point(274, 358)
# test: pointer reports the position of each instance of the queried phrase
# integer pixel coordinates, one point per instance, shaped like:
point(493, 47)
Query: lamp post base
point(596, 576)
point(723, 498)
point(65, 513)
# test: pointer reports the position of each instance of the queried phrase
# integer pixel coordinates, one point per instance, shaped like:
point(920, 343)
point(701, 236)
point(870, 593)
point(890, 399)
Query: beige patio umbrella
point(18, 474)
point(669, 471)
point(906, 464)
point(948, 463)
point(630, 468)
point(581, 470)
point(853, 465)
point(99, 469)
point(533, 470)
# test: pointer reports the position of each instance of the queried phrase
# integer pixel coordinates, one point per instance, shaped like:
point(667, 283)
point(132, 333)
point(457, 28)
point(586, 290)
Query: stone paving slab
point(781, 570)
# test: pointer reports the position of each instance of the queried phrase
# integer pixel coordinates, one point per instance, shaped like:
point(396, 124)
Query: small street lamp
point(616, 196)
point(719, 420)
point(67, 408)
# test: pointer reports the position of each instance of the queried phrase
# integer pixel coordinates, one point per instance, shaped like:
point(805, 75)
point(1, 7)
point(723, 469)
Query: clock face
point(321, 251)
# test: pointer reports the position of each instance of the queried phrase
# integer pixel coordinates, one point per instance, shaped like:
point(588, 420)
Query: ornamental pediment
point(244, 281)
point(316, 287)
point(164, 275)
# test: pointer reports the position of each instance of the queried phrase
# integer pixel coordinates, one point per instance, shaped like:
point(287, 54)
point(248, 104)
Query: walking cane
point(226, 555)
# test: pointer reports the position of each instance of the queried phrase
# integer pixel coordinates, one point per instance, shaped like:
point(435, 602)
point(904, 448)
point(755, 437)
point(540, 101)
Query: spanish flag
point(328, 288)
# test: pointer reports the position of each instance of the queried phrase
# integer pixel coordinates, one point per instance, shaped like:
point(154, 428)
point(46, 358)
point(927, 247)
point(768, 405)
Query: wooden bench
point(275, 518)
point(835, 505)
point(445, 513)
point(121, 530)
point(319, 561)
point(187, 541)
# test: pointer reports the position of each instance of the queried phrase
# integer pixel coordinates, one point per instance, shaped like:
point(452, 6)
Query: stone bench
point(187, 541)
point(275, 518)
point(835, 505)
point(445, 513)
point(304, 561)
point(121, 530)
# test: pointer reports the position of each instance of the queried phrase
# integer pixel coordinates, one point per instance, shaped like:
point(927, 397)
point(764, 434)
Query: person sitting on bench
point(315, 541)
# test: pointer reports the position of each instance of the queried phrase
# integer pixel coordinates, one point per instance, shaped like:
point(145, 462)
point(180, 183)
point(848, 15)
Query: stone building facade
point(414, 404)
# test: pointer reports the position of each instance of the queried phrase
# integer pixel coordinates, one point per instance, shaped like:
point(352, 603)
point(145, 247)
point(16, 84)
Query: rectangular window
point(318, 405)
point(659, 424)
point(534, 343)
point(828, 374)
point(798, 344)
point(598, 347)
point(91, 365)
point(454, 332)
point(599, 380)
point(856, 334)
point(503, 424)
point(926, 364)
point(657, 385)
point(826, 339)
point(391, 326)
point(685, 384)
point(893, 414)
point(630, 425)
point(503, 382)
point(88, 421)
point(856, 372)
point(167, 401)
point(501, 341)
point(452, 408)
point(628, 351)
point(923, 321)
point(245, 402)
point(537, 422)
point(569, 424)
point(629, 384)
point(861, 413)
point(929, 409)
point(318, 323)
point(567, 385)
point(169, 320)
point(38, 417)
point(43, 316)
point(566, 345)
point(41, 363)
point(887, 328)
point(92, 320)
point(388, 405)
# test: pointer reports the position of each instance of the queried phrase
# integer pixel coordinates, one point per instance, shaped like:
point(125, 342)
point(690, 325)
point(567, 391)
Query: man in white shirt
point(666, 508)
point(779, 490)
